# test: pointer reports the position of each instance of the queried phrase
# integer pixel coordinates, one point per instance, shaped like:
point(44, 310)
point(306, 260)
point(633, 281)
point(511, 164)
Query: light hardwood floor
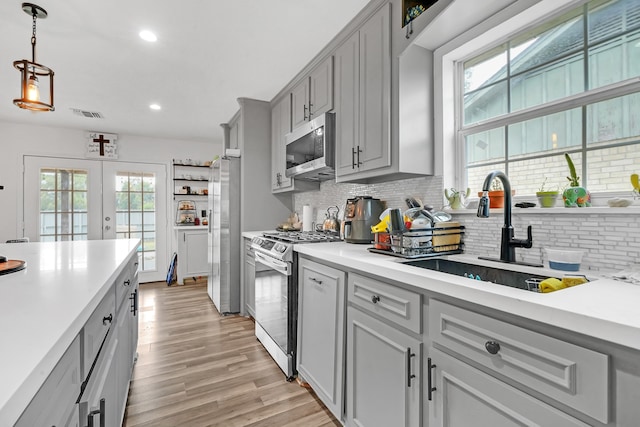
point(196, 368)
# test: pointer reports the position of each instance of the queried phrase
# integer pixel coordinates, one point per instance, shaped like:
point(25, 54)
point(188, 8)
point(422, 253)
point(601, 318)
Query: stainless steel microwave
point(310, 149)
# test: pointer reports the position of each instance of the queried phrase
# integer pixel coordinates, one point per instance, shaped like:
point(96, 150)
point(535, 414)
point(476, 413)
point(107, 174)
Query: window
point(568, 85)
point(63, 205)
point(136, 213)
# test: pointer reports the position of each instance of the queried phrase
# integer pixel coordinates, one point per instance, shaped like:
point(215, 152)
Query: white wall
point(18, 140)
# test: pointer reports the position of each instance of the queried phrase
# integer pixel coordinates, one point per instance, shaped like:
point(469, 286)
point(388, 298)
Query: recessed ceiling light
point(155, 107)
point(148, 36)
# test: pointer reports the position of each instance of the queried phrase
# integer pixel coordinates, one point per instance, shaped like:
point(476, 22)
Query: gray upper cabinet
point(280, 126)
point(313, 95)
point(363, 91)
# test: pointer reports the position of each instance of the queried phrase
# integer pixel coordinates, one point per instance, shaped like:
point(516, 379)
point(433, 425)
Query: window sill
point(593, 210)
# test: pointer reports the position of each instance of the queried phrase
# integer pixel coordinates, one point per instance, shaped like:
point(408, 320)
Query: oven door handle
point(275, 264)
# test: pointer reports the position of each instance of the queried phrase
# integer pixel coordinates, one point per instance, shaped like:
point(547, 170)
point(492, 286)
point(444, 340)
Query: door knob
point(107, 227)
point(107, 218)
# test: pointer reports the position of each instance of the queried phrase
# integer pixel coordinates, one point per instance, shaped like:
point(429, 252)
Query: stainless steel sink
point(514, 279)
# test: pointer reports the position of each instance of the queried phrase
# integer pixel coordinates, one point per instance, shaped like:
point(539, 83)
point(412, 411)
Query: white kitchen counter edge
point(15, 395)
point(604, 309)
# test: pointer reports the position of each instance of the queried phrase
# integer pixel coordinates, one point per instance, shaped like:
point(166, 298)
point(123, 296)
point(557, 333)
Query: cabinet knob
point(127, 282)
point(492, 347)
point(375, 299)
point(108, 318)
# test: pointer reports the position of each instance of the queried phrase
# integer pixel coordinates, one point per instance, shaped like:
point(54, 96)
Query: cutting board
point(11, 266)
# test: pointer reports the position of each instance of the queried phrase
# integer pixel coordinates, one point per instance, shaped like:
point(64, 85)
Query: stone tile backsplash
point(427, 189)
point(611, 241)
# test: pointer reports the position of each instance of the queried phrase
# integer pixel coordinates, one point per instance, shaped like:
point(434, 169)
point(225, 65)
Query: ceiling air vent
point(88, 114)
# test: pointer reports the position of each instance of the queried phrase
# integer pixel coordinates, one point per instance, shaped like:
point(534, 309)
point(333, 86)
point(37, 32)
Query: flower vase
point(576, 197)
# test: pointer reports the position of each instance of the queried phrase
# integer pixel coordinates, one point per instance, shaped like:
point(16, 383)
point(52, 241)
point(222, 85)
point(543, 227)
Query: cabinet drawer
point(574, 375)
point(95, 329)
point(125, 281)
point(55, 401)
point(395, 304)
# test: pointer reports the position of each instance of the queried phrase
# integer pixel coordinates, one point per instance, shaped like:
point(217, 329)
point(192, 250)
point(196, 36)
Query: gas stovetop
point(302, 236)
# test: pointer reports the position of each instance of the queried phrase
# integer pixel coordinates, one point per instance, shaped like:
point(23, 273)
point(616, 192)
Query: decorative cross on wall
point(100, 140)
point(101, 145)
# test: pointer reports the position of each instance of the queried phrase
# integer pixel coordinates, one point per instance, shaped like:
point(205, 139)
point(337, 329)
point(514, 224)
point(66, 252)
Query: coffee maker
point(360, 214)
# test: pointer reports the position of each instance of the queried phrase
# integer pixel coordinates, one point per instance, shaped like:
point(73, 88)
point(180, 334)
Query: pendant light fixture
point(31, 72)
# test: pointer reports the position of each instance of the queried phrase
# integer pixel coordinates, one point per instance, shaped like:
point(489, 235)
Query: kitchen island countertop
point(605, 309)
point(44, 307)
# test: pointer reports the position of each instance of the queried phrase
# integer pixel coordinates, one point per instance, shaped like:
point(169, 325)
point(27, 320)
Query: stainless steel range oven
point(276, 293)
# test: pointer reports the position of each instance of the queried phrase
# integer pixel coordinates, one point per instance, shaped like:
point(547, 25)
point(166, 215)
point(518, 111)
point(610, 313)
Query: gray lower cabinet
point(384, 354)
point(383, 373)
point(54, 403)
point(465, 396)
point(249, 279)
point(321, 302)
point(101, 357)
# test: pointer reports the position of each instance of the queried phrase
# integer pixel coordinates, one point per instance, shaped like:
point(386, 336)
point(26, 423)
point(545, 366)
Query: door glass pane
point(135, 216)
point(63, 204)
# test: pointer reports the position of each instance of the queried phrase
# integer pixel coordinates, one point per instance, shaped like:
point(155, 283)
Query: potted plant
point(575, 196)
point(547, 198)
point(496, 194)
point(457, 199)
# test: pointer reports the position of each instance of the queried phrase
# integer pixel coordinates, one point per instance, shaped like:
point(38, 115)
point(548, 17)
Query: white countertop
point(605, 309)
point(44, 307)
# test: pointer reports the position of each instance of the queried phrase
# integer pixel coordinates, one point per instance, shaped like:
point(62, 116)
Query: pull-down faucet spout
point(508, 243)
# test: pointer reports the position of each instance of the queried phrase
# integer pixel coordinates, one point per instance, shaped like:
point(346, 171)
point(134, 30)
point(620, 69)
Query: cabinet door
point(347, 72)
point(124, 358)
point(321, 96)
point(383, 374)
point(55, 400)
point(192, 253)
point(465, 396)
point(375, 92)
point(321, 331)
point(249, 279)
point(100, 396)
point(280, 126)
point(300, 103)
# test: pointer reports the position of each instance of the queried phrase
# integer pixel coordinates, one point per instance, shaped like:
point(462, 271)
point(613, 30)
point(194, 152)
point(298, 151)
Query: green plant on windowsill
point(575, 195)
point(547, 197)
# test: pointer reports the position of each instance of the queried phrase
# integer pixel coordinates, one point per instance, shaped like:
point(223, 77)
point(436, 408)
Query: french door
point(75, 199)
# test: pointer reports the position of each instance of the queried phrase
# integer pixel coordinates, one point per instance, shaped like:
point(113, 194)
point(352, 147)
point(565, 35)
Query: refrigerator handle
point(209, 222)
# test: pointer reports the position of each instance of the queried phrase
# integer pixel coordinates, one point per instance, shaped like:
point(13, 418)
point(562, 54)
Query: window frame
point(449, 59)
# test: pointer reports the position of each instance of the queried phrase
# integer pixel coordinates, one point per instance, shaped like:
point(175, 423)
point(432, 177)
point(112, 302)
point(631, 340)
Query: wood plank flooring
point(196, 368)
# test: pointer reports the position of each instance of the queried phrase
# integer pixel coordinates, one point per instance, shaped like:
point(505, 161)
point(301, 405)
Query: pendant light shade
point(32, 73)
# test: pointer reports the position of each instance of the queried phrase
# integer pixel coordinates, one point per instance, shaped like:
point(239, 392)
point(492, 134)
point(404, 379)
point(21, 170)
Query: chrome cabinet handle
point(319, 282)
point(108, 318)
point(310, 112)
point(353, 158)
point(410, 376)
point(306, 117)
point(359, 162)
point(492, 347)
point(127, 282)
point(375, 299)
point(430, 387)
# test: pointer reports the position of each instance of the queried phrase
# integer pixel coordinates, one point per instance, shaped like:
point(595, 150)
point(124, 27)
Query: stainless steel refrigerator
point(223, 282)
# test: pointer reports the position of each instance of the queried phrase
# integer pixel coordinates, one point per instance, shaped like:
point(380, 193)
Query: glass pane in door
point(63, 204)
point(136, 213)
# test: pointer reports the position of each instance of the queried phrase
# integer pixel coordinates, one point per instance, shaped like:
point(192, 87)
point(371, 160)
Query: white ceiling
point(208, 53)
